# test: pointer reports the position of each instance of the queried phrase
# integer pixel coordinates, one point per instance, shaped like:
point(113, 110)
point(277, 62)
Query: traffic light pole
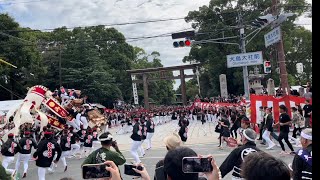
point(282, 61)
point(243, 50)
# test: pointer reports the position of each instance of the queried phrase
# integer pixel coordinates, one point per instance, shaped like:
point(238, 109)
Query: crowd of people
point(49, 145)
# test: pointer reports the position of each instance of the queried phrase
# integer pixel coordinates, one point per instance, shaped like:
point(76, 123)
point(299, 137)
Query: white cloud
point(71, 13)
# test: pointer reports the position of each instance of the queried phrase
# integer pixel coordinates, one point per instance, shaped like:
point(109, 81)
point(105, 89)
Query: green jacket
point(102, 154)
point(3, 174)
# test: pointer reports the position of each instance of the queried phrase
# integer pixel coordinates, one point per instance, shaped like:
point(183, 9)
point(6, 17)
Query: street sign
point(245, 59)
point(272, 37)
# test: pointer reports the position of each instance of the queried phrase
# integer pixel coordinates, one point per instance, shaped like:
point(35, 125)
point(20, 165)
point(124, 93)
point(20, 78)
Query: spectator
point(173, 166)
point(298, 122)
point(268, 129)
point(3, 173)
point(235, 158)
point(225, 133)
point(263, 166)
point(284, 122)
point(307, 113)
point(302, 162)
point(183, 132)
point(172, 141)
point(104, 153)
point(308, 94)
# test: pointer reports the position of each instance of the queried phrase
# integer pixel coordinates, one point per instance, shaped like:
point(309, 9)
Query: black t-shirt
point(284, 117)
point(307, 109)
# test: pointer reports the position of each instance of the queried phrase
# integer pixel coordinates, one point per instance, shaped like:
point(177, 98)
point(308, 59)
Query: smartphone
point(196, 165)
point(94, 171)
point(129, 171)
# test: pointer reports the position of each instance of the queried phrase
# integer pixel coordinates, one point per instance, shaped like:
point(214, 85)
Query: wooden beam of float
point(147, 71)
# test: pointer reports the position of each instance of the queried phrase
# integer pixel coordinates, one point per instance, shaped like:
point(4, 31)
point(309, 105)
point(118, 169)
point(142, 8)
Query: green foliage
point(214, 21)
point(161, 92)
point(17, 48)
point(93, 59)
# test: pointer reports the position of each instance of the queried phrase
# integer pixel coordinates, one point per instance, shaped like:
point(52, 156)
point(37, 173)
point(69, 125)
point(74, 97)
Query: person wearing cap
point(143, 136)
point(302, 162)
point(104, 153)
point(95, 142)
point(87, 144)
point(65, 144)
point(225, 131)
point(268, 129)
point(150, 131)
point(136, 137)
point(183, 131)
point(297, 121)
point(260, 121)
point(171, 142)
point(75, 141)
point(45, 153)
point(235, 158)
point(26, 143)
point(8, 150)
point(284, 122)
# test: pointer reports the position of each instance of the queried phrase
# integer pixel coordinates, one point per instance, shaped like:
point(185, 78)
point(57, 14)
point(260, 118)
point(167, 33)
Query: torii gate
point(163, 70)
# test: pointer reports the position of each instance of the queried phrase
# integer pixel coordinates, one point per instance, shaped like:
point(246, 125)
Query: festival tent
point(5, 106)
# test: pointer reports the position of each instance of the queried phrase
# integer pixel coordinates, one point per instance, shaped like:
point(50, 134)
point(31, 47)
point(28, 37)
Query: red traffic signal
point(267, 66)
point(187, 42)
point(177, 44)
point(267, 63)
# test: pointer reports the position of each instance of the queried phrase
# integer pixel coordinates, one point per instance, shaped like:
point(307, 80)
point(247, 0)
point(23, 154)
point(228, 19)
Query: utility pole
point(243, 50)
point(60, 79)
point(282, 61)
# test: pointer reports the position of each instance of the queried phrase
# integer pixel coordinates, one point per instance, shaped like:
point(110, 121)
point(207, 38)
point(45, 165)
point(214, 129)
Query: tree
point(161, 92)
point(18, 48)
point(217, 20)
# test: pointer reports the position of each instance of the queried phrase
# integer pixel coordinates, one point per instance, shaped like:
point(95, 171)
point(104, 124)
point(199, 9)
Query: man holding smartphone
point(104, 153)
point(235, 158)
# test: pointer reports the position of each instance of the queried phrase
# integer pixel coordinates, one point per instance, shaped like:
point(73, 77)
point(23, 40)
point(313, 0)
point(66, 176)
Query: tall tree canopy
point(93, 59)
point(219, 19)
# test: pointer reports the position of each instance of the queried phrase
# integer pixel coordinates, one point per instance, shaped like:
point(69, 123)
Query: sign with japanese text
point(245, 59)
point(57, 109)
point(272, 37)
point(134, 90)
point(53, 121)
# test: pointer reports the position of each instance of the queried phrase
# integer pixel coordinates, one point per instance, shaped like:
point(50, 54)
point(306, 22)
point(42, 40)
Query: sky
point(48, 14)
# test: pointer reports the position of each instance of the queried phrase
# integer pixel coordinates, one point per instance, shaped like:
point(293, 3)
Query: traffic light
point(183, 43)
point(263, 21)
point(185, 34)
point(267, 67)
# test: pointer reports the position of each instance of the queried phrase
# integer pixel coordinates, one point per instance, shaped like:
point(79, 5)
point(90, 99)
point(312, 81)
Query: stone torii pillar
point(145, 90)
point(183, 87)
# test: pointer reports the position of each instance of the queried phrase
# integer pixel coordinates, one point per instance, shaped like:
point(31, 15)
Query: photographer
point(115, 173)
point(104, 153)
point(173, 166)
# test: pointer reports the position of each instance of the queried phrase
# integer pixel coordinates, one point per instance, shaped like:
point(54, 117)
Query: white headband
point(306, 136)
point(106, 139)
point(247, 137)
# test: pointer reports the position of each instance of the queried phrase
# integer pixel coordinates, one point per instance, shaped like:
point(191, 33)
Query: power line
point(113, 24)
point(20, 2)
point(11, 92)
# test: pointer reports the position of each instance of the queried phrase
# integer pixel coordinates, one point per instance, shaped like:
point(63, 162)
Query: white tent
point(5, 106)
